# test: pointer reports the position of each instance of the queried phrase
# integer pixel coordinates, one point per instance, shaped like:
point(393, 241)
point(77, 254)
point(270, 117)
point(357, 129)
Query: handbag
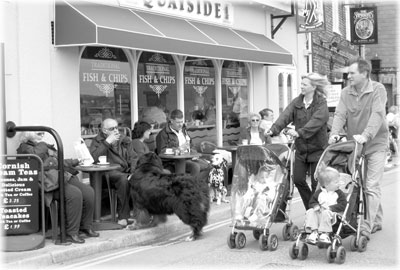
point(49, 181)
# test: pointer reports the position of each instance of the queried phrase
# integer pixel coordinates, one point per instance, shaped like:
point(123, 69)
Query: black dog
point(160, 193)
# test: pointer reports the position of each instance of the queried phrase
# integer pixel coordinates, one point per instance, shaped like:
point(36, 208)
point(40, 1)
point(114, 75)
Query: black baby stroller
point(347, 158)
point(261, 189)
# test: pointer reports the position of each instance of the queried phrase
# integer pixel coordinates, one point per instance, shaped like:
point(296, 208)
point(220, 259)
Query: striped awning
point(91, 24)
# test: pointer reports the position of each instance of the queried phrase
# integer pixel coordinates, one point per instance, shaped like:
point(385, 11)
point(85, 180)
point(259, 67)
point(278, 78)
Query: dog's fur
point(160, 193)
point(216, 179)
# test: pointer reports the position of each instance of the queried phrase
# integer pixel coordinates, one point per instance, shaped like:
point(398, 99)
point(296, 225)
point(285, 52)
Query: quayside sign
point(211, 11)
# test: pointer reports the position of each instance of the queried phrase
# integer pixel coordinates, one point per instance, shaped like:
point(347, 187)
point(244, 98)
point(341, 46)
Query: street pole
point(3, 144)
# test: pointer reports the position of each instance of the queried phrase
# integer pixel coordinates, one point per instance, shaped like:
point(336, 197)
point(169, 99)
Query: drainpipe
point(3, 144)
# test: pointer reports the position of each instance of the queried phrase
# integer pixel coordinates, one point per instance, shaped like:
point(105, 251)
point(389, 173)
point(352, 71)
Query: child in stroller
point(325, 203)
point(258, 198)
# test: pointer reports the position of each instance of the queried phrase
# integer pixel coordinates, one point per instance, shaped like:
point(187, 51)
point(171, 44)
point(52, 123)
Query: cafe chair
point(53, 210)
point(207, 147)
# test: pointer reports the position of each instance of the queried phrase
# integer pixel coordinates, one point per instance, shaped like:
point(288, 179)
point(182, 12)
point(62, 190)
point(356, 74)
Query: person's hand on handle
point(361, 139)
point(292, 132)
point(333, 139)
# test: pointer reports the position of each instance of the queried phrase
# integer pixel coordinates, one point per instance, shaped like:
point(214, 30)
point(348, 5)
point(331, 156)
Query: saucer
point(86, 165)
point(105, 163)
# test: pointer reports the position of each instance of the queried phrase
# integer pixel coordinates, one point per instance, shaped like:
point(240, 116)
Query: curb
point(108, 240)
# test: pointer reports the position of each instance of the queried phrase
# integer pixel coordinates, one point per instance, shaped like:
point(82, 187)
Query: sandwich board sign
point(20, 204)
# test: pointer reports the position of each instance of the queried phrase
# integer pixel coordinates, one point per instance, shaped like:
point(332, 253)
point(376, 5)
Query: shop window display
point(199, 95)
point(105, 83)
point(157, 90)
point(234, 97)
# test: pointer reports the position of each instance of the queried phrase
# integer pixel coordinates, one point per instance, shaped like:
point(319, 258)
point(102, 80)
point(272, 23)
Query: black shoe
point(75, 239)
point(89, 233)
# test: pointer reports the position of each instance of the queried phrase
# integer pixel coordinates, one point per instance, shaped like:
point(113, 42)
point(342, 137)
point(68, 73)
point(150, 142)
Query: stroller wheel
point(303, 251)
point(240, 240)
point(294, 232)
point(263, 242)
point(340, 255)
point(353, 243)
point(272, 242)
point(256, 234)
point(286, 232)
point(231, 240)
point(330, 254)
point(293, 251)
point(362, 243)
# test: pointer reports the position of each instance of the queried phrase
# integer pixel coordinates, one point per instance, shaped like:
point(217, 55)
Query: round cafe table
point(96, 172)
point(180, 160)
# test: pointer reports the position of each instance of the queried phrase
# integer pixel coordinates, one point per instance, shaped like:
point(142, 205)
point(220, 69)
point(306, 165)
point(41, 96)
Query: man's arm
point(161, 141)
point(378, 115)
point(340, 116)
point(99, 148)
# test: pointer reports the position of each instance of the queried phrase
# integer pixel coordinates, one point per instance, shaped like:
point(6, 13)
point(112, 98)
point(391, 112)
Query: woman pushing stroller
point(309, 114)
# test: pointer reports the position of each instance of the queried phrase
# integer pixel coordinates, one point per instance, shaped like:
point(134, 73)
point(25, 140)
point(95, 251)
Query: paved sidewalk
point(108, 240)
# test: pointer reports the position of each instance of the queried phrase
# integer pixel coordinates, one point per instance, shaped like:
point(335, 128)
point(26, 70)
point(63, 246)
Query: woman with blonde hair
point(309, 114)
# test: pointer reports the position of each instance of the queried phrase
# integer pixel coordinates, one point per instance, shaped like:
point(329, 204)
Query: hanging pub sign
point(364, 25)
point(310, 16)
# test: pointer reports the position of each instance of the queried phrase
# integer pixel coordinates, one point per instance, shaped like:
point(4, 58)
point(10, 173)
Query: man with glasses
point(118, 149)
point(174, 135)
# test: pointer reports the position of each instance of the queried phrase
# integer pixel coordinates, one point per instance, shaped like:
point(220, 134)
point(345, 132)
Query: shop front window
point(157, 89)
point(234, 97)
point(199, 78)
point(104, 88)
point(200, 106)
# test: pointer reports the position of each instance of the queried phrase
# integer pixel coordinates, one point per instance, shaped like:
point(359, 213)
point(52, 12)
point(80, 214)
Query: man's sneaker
point(312, 238)
point(123, 222)
point(376, 228)
point(366, 234)
point(324, 238)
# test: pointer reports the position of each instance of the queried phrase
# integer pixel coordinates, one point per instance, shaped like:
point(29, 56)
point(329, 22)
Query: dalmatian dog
point(216, 179)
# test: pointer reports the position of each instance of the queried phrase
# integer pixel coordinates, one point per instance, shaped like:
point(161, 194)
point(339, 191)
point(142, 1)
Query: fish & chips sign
point(212, 11)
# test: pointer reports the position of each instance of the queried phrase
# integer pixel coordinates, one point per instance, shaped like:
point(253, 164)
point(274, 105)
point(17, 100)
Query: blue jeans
point(373, 174)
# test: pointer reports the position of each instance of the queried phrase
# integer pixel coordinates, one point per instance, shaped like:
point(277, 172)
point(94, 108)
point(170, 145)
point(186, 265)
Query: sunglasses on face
point(255, 120)
point(111, 128)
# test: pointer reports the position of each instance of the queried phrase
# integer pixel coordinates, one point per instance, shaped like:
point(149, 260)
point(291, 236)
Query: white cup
point(86, 162)
point(245, 142)
point(169, 151)
point(103, 159)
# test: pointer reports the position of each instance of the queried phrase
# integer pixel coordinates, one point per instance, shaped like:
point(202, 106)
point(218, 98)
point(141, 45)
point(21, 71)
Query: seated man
point(118, 149)
point(174, 135)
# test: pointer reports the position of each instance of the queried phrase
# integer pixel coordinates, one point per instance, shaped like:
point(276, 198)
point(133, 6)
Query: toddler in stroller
point(325, 203)
point(345, 161)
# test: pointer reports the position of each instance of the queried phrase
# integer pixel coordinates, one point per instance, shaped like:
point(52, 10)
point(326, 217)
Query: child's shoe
point(312, 238)
point(324, 238)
